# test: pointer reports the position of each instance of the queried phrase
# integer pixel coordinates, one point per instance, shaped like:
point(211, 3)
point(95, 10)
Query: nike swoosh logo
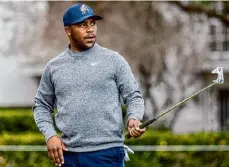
point(94, 63)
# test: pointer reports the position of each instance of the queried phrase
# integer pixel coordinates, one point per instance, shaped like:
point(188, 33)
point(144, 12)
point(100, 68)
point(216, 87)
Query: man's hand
point(55, 149)
point(133, 127)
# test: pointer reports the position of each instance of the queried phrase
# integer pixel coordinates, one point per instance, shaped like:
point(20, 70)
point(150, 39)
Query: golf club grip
point(145, 124)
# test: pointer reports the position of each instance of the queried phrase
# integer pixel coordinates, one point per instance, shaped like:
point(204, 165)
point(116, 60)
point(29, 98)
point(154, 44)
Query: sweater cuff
point(132, 117)
point(49, 133)
point(136, 114)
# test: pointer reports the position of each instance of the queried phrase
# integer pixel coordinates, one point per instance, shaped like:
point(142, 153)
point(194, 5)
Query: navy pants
point(111, 157)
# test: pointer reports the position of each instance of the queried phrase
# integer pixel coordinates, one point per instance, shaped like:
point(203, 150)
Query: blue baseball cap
point(78, 13)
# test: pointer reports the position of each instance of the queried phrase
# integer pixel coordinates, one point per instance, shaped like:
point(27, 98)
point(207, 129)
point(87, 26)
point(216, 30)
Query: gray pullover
point(86, 88)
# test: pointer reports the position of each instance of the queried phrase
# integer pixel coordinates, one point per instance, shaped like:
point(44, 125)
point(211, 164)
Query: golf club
point(219, 80)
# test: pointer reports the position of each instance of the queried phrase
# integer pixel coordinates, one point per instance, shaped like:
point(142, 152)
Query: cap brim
point(96, 17)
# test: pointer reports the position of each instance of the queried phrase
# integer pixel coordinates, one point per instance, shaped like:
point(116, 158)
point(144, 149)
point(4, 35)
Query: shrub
point(17, 127)
point(16, 120)
point(139, 159)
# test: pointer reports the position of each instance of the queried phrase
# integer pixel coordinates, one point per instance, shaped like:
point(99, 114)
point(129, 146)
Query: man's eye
point(82, 25)
point(93, 23)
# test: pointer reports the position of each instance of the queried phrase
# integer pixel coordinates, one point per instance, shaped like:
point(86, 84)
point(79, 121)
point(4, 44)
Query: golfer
point(87, 84)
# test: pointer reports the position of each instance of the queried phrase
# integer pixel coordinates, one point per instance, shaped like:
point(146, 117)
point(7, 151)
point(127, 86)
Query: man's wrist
point(47, 139)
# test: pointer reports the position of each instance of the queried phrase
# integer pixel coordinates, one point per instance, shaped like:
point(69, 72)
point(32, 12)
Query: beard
point(81, 44)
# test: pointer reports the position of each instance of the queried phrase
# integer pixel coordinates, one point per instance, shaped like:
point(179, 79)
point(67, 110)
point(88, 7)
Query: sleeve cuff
point(133, 117)
point(49, 134)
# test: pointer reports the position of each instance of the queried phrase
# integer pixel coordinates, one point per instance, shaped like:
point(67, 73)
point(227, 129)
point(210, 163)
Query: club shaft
point(185, 100)
point(147, 123)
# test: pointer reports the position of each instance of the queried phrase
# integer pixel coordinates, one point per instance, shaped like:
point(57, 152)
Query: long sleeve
point(128, 89)
point(44, 105)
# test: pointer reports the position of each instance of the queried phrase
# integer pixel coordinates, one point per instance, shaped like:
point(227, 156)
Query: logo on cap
point(84, 9)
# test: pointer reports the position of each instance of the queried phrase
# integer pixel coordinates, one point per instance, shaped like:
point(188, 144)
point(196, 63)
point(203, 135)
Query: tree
point(208, 8)
point(158, 48)
point(156, 38)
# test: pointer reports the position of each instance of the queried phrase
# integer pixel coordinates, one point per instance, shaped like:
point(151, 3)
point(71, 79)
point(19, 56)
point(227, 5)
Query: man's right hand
point(55, 149)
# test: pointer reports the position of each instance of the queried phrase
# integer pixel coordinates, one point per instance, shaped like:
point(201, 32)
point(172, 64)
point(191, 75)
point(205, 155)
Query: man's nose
point(90, 28)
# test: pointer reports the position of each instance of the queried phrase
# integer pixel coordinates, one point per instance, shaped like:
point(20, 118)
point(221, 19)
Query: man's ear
point(67, 30)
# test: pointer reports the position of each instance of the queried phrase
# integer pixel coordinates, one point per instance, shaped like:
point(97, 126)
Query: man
point(86, 82)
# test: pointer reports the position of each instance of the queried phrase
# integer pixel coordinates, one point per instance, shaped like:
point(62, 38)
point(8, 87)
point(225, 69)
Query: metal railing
point(133, 147)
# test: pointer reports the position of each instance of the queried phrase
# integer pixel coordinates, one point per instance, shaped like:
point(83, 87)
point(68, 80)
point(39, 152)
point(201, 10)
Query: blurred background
point(171, 46)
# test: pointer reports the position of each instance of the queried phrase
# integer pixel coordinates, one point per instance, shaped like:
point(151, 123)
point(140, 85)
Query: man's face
point(83, 35)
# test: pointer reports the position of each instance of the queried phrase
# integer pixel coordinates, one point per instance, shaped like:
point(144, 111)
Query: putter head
point(219, 71)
